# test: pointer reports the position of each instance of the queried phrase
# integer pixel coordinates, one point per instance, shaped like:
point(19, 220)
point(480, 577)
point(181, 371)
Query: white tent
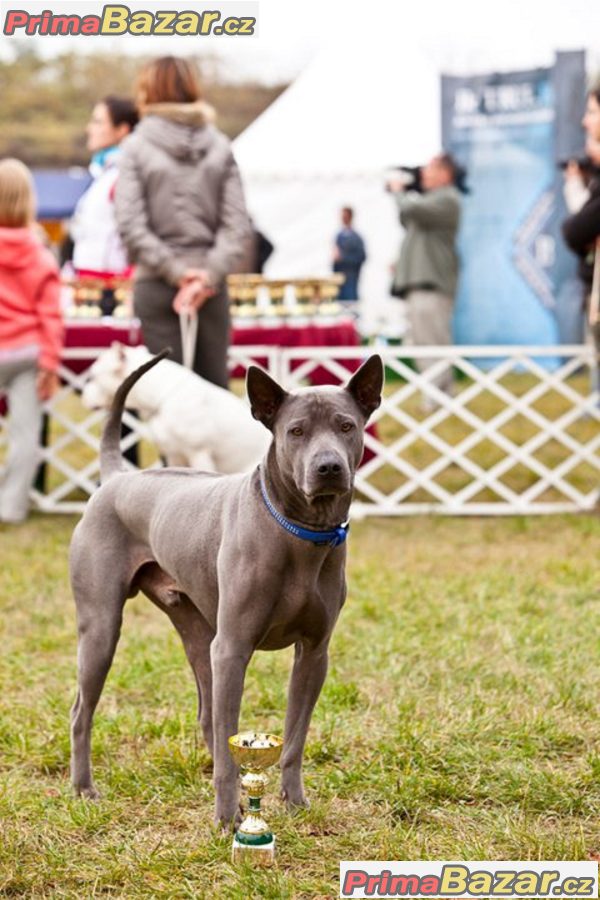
point(327, 142)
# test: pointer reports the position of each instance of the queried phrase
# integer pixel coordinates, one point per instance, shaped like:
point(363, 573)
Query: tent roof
point(347, 114)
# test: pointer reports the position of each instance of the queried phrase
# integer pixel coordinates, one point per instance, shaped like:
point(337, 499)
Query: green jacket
point(428, 257)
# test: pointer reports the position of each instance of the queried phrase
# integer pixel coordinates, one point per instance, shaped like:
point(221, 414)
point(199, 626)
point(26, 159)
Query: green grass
point(459, 720)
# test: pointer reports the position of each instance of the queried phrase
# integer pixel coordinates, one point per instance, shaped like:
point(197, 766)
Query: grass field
point(459, 720)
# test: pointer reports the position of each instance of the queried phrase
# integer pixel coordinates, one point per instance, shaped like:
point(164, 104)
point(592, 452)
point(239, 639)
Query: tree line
point(46, 103)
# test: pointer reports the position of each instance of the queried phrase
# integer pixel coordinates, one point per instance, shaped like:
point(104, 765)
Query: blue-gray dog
point(238, 562)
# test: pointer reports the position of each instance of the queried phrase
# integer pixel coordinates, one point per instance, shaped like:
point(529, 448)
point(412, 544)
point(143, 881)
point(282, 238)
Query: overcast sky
point(467, 35)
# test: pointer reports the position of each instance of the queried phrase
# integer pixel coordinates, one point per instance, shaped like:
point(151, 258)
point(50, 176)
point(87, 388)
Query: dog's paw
point(295, 799)
point(228, 824)
point(88, 793)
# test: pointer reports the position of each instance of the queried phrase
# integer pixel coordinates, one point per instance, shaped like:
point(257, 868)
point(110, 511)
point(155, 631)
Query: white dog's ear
point(265, 396)
point(120, 350)
point(366, 385)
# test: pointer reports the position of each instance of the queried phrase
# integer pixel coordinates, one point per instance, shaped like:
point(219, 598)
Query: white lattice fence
point(517, 437)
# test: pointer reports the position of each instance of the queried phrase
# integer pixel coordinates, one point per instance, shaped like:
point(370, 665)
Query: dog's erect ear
point(120, 351)
point(265, 395)
point(366, 385)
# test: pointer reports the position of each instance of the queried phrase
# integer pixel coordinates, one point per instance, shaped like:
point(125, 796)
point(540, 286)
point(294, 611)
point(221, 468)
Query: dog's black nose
point(329, 468)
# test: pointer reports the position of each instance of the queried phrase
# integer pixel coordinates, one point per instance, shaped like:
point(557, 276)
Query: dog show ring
point(254, 841)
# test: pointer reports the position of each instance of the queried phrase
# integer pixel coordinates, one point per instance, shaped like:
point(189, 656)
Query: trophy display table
point(342, 332)
point(297, 312)
point(81, 334)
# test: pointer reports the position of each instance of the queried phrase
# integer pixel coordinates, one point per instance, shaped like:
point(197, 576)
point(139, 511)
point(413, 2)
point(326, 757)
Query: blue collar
point(334, 537)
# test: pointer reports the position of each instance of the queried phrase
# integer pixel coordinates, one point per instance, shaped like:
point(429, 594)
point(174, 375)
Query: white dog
point(192, 422)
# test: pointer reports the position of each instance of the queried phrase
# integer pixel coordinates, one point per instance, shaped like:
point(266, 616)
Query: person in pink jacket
point(31, 334)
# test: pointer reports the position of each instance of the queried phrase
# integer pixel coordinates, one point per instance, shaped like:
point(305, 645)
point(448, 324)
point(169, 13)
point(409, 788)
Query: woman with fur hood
point(181, 215)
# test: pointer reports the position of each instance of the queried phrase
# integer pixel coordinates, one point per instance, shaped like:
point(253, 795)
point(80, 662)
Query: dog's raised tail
point(111, 460)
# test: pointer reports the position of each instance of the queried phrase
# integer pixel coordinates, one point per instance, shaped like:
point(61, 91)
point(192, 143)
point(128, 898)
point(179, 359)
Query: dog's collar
point(334, 537)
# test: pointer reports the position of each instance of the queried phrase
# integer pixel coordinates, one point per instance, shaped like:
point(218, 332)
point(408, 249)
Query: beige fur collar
point(193, 114)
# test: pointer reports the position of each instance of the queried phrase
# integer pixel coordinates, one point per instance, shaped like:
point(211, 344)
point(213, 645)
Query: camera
point(584, 163)
point(409, 176)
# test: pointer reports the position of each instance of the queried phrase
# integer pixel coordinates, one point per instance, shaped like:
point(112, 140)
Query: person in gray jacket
point(427, 269)
point(181, 215)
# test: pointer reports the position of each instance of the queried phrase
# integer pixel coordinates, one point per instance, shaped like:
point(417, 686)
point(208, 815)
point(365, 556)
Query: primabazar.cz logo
point(114, 19)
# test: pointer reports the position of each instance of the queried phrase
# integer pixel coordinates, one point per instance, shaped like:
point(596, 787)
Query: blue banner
point(518, 283)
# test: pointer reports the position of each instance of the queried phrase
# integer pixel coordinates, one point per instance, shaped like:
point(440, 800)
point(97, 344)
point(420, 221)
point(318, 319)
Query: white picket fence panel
point(540, 423)
point(516, 438)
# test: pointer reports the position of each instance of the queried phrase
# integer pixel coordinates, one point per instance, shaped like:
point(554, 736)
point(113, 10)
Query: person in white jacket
point(98, 251)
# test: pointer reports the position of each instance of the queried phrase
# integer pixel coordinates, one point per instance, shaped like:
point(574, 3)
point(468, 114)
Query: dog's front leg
point(229, 660)
point(308, 675)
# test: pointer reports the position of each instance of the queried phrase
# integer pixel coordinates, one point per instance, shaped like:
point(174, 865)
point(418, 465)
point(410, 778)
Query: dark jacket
point(581, 230)
point(352, 256)
point(352, 251)
point(179, 198)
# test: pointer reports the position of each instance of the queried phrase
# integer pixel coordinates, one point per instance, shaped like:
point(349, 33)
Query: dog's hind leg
point(195, 633)
point(196, 636)
point(99, 615)
point(308, 675)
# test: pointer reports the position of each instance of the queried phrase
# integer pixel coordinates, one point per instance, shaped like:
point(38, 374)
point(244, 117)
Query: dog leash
point(188, 325)
point(334, 537)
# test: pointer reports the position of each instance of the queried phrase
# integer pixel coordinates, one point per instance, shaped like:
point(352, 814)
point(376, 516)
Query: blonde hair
point(17, 195)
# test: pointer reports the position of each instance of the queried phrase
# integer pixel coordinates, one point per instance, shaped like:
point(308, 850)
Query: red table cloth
point(341, 333)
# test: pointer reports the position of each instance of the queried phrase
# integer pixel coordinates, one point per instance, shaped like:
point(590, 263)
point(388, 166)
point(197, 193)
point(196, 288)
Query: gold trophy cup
point(254, 752)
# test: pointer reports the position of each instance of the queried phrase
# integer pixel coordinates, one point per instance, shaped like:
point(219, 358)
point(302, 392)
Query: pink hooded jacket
point(29, 296)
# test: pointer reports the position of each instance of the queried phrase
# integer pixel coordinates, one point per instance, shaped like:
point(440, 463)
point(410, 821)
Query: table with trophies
point(264, 312)
point(301, 312)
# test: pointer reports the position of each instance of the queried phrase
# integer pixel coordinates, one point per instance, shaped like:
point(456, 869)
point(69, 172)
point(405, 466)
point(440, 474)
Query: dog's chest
point(305, 608)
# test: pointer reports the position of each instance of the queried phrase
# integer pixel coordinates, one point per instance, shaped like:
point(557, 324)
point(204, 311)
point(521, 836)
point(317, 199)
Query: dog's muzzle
point(328, 475)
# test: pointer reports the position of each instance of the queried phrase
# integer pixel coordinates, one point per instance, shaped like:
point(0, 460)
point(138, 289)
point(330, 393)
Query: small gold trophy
point(254, 752)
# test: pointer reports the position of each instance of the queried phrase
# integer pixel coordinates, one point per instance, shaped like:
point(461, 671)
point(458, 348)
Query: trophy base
point(261, 855)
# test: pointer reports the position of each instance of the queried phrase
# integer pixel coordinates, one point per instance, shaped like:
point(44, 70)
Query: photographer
point(582, 193)
point(427, 269)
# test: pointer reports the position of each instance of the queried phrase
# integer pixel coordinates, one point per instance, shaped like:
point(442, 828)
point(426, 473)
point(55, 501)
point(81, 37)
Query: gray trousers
point(18, 382)
point(430, 323)
point(153, 305)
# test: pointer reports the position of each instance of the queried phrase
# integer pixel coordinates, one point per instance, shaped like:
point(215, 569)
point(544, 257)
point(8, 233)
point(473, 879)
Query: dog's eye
point(297, 431)
point(347, 426)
